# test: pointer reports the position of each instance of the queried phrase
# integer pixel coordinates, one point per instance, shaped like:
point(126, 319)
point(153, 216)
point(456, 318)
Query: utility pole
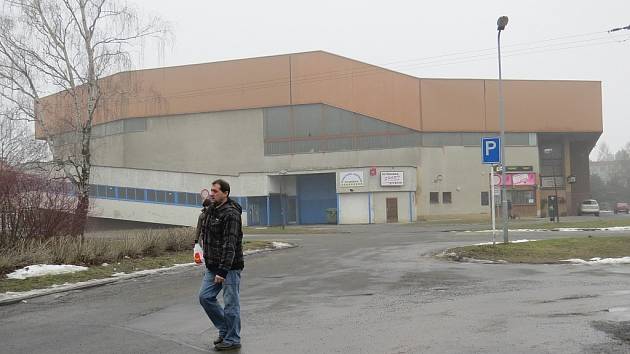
point(620, 29)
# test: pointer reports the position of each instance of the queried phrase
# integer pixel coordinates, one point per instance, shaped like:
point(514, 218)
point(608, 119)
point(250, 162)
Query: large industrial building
point(329, 139)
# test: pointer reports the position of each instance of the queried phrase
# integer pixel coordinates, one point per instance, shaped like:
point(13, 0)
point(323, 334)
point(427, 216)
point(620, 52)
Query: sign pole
point(494, 226)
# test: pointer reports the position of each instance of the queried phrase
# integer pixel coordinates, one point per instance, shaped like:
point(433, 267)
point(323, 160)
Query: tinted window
point(139, 194)
point(434, 198)
point(122, 193)
point(111, 192)
point(446, 198)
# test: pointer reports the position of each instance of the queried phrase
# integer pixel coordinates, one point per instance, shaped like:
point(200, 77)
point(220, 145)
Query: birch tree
point(67, 47)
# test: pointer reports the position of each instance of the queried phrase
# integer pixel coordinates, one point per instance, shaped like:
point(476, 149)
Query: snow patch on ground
point(55, 288)
point(597, 260)
point(515, 241)
point(39, 270)
point(275, 245)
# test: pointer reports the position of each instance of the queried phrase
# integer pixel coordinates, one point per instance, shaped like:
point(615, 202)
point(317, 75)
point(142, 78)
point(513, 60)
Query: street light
point(501, 23)
point(556, 205)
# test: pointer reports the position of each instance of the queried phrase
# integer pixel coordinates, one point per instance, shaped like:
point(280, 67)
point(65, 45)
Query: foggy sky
point(406, 36)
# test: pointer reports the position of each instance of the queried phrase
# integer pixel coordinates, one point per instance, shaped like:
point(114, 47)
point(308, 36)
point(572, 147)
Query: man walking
point(223, 254)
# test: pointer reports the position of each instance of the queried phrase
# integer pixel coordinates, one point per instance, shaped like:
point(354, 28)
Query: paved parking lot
point(371, 289)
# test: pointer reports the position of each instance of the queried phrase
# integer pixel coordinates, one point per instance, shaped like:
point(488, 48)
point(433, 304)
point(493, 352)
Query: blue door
point(315, 194)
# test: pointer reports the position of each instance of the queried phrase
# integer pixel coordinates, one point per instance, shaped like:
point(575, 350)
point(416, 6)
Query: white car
point(589, 206)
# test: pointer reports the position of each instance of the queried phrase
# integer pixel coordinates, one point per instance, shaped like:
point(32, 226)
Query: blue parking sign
point(491, 150)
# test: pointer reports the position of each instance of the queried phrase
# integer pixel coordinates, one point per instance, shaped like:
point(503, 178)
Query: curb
point(21, 296)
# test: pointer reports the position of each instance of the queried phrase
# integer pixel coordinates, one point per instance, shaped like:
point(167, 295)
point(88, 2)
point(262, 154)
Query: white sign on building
point(392, 178)
point(351, 179)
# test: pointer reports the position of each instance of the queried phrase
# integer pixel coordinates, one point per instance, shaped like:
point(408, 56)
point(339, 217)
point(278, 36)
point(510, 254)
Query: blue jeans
point(227, 320)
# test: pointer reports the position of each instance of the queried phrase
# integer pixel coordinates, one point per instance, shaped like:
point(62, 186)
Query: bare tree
point(67, 46)
point(18, 146)
point(604, 153)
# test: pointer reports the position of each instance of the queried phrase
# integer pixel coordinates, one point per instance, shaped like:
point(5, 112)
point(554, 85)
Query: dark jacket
point(201, 221)
point(223, 238)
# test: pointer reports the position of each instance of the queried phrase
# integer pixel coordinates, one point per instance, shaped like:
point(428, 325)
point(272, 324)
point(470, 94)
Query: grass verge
point(547, 251)
point(599, 223)
point(124, 265)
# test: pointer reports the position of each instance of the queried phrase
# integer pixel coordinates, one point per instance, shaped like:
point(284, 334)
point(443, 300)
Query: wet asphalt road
point(371, 289)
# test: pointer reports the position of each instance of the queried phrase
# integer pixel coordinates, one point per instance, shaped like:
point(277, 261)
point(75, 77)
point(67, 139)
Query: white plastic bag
point(198, 254)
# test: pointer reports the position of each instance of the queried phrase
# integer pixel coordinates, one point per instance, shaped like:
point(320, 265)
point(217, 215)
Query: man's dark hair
point(225, 187)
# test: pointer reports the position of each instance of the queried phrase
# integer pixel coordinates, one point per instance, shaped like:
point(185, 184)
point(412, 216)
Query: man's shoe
point(226, 346)
point(218, 340)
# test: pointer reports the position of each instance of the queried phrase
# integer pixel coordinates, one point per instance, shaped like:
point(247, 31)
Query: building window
point(181, 198)
point(522, 197)
point(111, 192)
point(101, 191)
point(140, 193)
point(446, 197)
point(160, 196)
point(122, 193)
point(485, 198)
point(151, 197)
point(170, 197)
point(434, 198)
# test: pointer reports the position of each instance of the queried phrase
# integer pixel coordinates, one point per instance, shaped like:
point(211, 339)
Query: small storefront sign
point(516, 179)
point(392, 178)
point(519, 168)
point(351, 179)
point(524, 179)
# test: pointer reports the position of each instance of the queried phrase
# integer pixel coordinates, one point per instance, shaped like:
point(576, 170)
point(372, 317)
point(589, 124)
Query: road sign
point(491, 150)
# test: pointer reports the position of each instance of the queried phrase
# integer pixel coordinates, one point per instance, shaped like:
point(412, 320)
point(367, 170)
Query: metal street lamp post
point(501, 23)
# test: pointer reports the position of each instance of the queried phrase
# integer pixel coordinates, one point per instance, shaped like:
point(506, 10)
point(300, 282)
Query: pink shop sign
point(517, 179)
point(524, 179)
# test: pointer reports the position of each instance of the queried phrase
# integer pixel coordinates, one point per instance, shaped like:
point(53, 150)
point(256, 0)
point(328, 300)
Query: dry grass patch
point(99, 270)
point(548, 251)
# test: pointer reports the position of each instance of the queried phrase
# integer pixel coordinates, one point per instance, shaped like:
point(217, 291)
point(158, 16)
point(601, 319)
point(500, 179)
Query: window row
point(434, 198)
point(514, 196)
point(131, 125)
point(145, 195)
point(321, 128)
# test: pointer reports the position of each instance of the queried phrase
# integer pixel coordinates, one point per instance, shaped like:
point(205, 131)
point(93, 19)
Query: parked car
point(589, 206)
point(622, 208)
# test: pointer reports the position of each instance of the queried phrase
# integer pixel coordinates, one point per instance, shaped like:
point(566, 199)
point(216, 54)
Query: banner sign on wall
point(351, 179)
point(524, 179)
point(392, 178)
point(516, 179)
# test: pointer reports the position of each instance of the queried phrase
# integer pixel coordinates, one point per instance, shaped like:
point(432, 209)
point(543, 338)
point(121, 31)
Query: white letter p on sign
point(490, 145)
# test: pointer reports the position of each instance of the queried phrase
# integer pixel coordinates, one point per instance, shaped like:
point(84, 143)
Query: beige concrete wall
point(146, 212)
point(354, 208)
point(459, 170)
point(338, 160)
point(379, 206)
point(225, 143)
point(254, 184)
